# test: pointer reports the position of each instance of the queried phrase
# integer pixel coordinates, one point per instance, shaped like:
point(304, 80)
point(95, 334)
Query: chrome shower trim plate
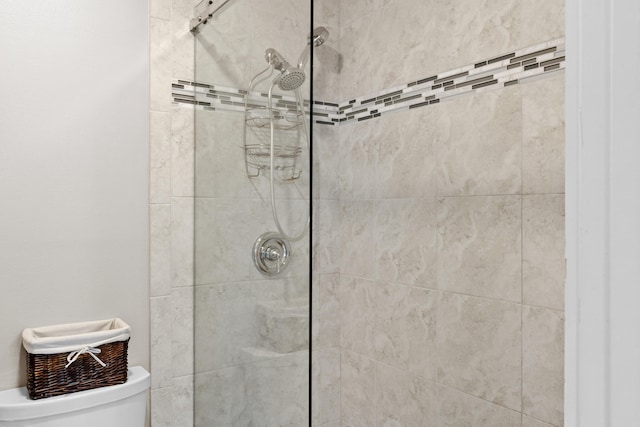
point(271, 253)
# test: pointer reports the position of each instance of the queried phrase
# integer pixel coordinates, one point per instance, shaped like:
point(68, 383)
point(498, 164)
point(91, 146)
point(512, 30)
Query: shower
point(291, 78)
point(271, 250)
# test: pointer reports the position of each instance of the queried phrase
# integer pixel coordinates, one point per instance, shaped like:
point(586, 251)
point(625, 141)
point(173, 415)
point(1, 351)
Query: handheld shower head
point(290, 78)
point(319, 36)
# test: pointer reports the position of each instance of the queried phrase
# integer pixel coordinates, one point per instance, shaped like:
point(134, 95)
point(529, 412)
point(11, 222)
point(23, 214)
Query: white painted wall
point(74, 77)
point(603, 214)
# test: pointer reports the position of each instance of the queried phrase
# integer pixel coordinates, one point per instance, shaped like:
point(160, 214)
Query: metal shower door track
point(205, 10)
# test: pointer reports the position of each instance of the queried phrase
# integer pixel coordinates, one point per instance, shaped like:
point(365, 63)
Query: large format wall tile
point(182, 241)
point(471, 30)
point(227, 325)
point(479, 246)
point(325, 386)
point(327, 237)
point(541, 20)
point(402, 31)
point(457, 409)
point(542, 370)
point(405, 241)
point(358, 390)
point(159, 157)
point(182, 331)
point(479, 345)
point(159, 250)
point(325, 305)
point(182, 146)
point(404, 399)
point(358, 158)
point(478, 141)
point(405, 328)
point(406, 162)
point(357, 314)
point(160, 45)
point(183, 391)
point(220, 162)
point(326, 168)
point(161, 344)
point(358, 233)
point(543, 262)
point(278, 390)
point(543, 135)
point(221, 398)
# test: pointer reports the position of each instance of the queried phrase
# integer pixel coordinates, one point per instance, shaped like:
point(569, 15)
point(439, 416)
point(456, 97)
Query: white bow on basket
point(91, 351)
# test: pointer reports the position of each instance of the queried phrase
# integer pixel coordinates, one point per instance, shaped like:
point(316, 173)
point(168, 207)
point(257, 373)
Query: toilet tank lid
point(15, 403)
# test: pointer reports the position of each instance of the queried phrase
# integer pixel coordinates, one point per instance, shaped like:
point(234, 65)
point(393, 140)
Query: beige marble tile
point(326, 311)
point(183, 402)
point(327, 241)
point(543, 247)
point(326, 154)
point(403, 32)
point(405, 242)
point(226, 230)
point(325, 386)
point(159, 65)
point(479, 345)
point(227, 324)
point(532, 422)
point(543, 135)
point(160, 250)
point(182, 53)
point(479, 246)
point(478, 143)
point(357, 314)
point(182, 146)
point(405, 328)
point(162, 407)
point(357, 70)
point(358, 159)
point(160, 349)
point(357, 10)
point(543, 360)
point(221, 398)
point(160, 9)
point(219, 158)
point(406, 162)
point(182, 241)
point(357, 385)
point(223, 49)
point(358, 233)
point(159, 157)
point(403, 399)
point(542, 21)
point(182, 331)
point(459, 409)
point(278, 391)
point(471, 30)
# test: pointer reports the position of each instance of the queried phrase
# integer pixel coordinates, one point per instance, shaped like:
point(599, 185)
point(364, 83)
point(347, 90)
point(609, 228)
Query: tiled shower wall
point(450, 223)
point(438, 231)
point(171, 217)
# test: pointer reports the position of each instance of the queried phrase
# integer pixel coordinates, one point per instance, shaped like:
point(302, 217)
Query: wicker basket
point(64, 359)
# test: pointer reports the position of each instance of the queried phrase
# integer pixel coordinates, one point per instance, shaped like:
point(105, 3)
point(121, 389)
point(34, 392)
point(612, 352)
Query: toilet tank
point(122, 405)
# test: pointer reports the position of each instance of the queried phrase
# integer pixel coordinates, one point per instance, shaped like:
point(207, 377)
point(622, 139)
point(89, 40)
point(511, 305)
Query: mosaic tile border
point(493, 73)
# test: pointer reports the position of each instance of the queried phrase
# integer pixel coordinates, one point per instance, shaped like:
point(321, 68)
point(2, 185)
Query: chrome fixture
point(290, 78)
point(320, 35)
point(271, 253)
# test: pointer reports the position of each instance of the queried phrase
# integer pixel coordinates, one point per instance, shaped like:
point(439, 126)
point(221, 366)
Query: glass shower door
point(251, 315)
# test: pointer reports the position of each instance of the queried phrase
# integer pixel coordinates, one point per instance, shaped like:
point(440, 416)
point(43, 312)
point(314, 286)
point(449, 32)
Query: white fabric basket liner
point(74, 336)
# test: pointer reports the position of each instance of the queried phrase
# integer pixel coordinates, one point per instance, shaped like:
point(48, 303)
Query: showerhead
point(290, 78)
point(320, 35)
